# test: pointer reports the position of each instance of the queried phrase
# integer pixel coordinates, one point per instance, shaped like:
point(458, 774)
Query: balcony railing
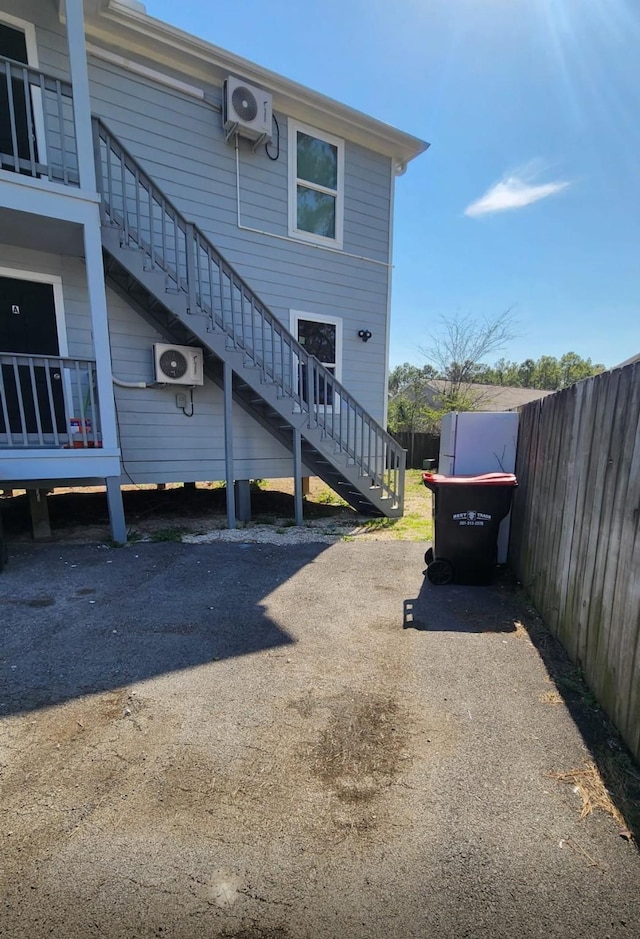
point(37, 130)
point(48, 401)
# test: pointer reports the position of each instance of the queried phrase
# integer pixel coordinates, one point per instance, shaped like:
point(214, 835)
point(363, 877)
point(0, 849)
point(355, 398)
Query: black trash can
point(467, 511)
point(4, 551)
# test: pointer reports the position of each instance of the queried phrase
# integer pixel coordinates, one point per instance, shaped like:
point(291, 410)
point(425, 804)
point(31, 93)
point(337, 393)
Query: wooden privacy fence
point(419, 447)
point(575, 541)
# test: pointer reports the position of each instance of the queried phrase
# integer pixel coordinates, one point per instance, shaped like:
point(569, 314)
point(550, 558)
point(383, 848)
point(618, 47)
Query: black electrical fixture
point(365, 334)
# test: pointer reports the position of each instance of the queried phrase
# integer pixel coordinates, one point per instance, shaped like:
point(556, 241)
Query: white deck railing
point(37, 130)
point(48, 401)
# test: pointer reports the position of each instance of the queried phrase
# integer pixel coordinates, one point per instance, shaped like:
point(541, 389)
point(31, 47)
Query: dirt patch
point(358, 752)
point(58, 773)
point(164, 514)
point(185, 512)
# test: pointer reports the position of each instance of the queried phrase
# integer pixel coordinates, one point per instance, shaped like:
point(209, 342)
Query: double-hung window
point(316, 185)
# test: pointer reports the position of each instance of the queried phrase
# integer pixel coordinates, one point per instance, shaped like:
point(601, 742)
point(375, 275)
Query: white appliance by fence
point(473, 442)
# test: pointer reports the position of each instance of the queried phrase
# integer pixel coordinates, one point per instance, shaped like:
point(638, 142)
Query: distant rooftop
point(490, 397)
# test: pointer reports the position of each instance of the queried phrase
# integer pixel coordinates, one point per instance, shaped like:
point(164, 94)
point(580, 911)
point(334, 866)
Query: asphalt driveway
point(289, 743)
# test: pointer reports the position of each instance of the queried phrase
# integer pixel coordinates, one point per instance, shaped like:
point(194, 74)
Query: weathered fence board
point(575, 542)
point(419, 447)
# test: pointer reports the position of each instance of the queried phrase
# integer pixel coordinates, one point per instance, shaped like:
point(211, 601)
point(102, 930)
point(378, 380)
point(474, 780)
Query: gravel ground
point(290, 742)
point(198, 516)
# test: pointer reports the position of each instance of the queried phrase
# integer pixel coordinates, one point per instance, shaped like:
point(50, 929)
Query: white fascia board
point(291, 98)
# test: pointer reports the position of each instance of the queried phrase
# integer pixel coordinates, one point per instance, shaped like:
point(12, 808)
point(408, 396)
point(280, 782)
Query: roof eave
point(295, 99)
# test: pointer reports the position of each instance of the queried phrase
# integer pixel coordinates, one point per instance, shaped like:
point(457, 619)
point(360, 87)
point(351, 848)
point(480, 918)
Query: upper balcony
point(37, 128)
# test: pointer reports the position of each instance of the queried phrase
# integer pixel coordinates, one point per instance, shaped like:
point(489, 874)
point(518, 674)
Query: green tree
point(527, 373)
point(408, 407)
point(406, 376)
point(572, 368)
point(547, 373)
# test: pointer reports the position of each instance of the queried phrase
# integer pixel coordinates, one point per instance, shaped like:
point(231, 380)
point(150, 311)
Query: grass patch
point(411, 527)
point(551, 697)
point(327, 496)
point(574, 682)
point(167, 534)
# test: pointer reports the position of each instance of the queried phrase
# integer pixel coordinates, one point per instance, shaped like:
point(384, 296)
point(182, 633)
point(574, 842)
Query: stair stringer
point(128, 272)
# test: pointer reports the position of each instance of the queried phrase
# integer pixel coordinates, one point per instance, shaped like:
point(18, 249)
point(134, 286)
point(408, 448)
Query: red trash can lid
point(484, 479)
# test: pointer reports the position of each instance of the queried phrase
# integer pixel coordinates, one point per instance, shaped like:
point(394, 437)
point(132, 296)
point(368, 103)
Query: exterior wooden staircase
point(172, 274)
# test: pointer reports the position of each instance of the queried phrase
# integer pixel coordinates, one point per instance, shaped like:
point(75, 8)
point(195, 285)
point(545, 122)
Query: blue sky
point(529, 197)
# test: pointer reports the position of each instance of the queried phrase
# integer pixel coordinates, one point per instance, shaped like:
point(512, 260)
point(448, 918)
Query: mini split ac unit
point(246, 110)
point(178, 365)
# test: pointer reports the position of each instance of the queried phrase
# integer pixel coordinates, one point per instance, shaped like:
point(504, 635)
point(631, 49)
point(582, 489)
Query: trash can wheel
point(440, 572)
point(428, 556)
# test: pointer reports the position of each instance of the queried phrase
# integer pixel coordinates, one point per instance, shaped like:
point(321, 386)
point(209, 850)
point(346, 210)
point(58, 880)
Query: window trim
point(294, 317)
point(33, 61)
point(337, 321)
point(29, 31)
point(294, 180)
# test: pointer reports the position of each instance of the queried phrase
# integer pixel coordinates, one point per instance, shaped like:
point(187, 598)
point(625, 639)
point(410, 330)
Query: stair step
point(139, 274)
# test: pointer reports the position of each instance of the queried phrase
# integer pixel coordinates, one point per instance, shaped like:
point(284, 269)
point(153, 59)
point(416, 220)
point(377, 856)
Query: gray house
point(195, 265)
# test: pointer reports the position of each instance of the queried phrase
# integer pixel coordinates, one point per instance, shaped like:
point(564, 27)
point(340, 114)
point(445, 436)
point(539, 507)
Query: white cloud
point(512, 192)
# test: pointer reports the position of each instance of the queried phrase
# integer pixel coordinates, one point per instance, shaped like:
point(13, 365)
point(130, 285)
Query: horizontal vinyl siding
point(22, 259)
point(159, 443)
point(179, 142)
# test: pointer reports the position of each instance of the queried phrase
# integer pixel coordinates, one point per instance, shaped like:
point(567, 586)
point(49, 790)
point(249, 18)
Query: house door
point(13, 96)
point(28, 326)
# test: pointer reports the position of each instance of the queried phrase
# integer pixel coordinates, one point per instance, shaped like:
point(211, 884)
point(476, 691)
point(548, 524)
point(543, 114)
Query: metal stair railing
point(193, 267)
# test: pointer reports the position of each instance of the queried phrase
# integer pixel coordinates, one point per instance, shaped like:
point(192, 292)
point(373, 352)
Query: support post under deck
point(40, 524)
point(227, 387)
point(116, 510)
point(297, 475)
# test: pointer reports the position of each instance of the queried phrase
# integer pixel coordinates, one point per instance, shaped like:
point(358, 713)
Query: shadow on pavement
point(615, 764)
point(76, 620)
point(461, 609)
point(457, 608)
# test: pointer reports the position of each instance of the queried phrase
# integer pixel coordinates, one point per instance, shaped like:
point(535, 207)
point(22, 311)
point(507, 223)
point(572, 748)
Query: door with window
point(17, 123)
point(28, 326)
point(322, 338)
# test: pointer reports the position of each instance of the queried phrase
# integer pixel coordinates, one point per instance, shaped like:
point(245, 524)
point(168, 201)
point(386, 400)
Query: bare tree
point(458, 349)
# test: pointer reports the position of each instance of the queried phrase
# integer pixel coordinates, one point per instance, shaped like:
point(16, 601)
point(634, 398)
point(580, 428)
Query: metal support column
point(81, 96)
point(243, 500)
point(227, 387)
point(297, 475)
point(116, 510)
point(40, 524)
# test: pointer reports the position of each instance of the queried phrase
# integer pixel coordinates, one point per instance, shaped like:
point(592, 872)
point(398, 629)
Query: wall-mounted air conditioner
point(178, 365)
point(246, 110)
